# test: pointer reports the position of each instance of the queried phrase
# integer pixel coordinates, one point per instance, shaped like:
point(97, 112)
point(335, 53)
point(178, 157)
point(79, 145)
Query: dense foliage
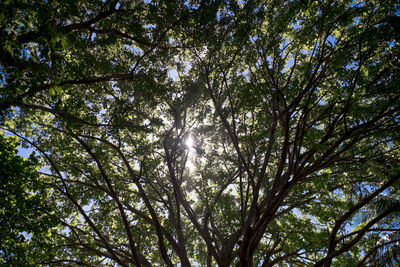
point(26, 218)
point(293, 109)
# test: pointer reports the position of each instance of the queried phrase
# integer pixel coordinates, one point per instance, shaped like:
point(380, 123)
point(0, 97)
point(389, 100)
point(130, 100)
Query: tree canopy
point(26, 218)
point(205, 133)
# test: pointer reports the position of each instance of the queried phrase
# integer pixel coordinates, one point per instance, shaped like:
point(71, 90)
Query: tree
point(26, 217)
point(293, 109)
point(386, 253)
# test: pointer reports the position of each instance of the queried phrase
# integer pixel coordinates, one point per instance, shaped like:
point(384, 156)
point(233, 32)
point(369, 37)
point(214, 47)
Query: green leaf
point(65, 44)
point(58, 90)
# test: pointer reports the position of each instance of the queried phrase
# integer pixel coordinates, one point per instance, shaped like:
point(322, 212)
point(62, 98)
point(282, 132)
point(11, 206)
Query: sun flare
point(189, 142)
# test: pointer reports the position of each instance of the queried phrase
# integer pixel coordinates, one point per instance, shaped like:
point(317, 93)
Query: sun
point(189, 141)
